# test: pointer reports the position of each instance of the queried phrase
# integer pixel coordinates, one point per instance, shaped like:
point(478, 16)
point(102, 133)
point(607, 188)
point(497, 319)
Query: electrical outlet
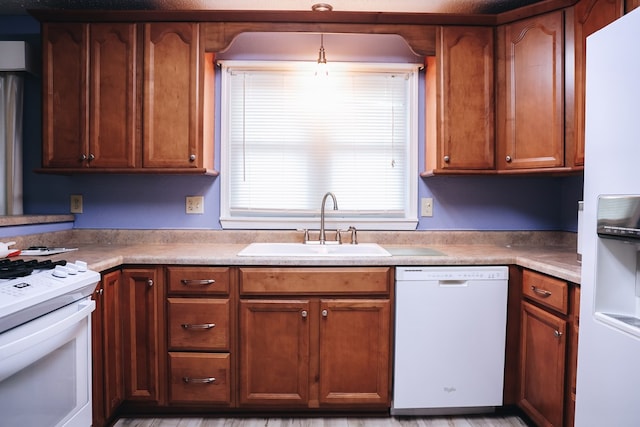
point(195, 205)
point(426, 206)
point(75, 203)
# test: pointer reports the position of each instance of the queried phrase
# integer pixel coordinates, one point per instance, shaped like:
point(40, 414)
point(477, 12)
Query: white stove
point(45, 343)
point(42, 288)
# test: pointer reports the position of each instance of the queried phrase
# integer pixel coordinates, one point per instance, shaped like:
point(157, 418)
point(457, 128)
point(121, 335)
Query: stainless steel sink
point(313, 250)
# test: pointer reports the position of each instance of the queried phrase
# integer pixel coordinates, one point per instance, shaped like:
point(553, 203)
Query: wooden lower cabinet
point(202, 378)
point(108, 378)
point(200, 335)
point(144, 331)
point(548, 349)
point(300, 350)
point(543, 353)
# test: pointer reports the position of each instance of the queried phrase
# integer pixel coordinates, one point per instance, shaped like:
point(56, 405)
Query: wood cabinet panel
point(172, 108)
point(113, 138)
point(203, 378)
point(198, 323)
point(460, 101)
point(542, 368)
point(65, 94)
point(198, 280)
point(108, 371)
point(531, 93)
point(144, 332)
point(274, 352)
point(546, 290)
point(354, 352)
point(310, 280)
point(589, 17)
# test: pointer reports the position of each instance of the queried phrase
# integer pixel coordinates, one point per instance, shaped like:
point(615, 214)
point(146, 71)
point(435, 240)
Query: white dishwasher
point(450, 335)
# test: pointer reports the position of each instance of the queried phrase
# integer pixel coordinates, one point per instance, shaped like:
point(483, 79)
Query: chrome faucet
point(335, 208)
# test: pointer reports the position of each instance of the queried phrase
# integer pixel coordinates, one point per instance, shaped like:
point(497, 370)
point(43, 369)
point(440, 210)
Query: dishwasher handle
point(453, 283)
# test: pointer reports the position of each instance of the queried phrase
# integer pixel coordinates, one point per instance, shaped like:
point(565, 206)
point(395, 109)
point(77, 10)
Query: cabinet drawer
point(334, 280)
point(548, 291)
point(198, 280)
point(200, 378)
point(198, 324)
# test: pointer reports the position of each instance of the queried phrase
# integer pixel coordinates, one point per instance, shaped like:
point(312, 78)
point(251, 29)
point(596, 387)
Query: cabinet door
point(113, 108)
point(113, 354)
point(531, 93)
point(274, 352)
point(108, 377)
point(144, 326)
point(589, 17)
point(461, 136)
point(542, 365)
point(65, 94)
point(354, 352)
point(172, 105)
point(97, 351)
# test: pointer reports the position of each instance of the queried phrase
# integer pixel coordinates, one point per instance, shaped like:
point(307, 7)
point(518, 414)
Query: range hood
point(16, 56)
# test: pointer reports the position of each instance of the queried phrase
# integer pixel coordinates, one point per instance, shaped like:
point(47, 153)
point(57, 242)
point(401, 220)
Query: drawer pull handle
point(204, 282)
point(200, 326)
point(543, 293)
point(557, 333)
point(207, 380)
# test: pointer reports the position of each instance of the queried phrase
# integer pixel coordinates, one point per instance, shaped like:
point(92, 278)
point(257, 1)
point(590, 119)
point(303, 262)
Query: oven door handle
point(27, 343)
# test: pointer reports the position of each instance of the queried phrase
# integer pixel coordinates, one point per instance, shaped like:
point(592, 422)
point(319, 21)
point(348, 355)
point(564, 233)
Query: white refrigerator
point(608, 382)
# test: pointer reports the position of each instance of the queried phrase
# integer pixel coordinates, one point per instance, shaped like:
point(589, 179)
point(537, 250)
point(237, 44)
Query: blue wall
point(157, 201)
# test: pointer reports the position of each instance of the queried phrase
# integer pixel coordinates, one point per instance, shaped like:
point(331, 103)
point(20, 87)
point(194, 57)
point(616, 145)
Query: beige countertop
point(556, 261)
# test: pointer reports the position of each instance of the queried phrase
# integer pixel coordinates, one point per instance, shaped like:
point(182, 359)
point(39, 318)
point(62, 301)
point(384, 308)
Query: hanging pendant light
point(321, 69)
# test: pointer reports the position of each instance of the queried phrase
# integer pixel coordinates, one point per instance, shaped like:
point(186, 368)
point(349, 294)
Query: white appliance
point(45, 343)
point(608, 382)
point(450, 336)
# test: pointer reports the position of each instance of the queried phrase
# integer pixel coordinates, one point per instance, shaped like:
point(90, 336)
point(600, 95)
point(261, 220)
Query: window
point(289, 136)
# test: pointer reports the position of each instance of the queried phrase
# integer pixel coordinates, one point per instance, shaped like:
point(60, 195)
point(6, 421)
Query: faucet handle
point(306, 234)
point(339, 236)
point(354, 235)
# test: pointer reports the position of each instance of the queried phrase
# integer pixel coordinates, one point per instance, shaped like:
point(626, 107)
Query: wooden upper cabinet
point(65, 95)
point(113, 137)
point(589, 16)
point(460, 119)
point(531, 93)
point(174, 97)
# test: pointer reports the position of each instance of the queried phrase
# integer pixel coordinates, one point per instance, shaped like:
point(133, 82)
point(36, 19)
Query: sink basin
point(302, 250)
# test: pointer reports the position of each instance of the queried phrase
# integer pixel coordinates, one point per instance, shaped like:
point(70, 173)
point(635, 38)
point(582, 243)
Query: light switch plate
point(426, 206)
point(75, 201)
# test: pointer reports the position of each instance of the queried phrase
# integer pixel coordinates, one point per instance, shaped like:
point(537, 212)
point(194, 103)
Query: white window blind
point(289, 136)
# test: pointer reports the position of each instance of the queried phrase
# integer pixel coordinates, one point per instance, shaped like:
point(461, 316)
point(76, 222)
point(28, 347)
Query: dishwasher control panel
point(452, 273)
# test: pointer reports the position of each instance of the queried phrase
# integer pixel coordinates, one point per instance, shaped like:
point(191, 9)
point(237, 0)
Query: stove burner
point(20, 268)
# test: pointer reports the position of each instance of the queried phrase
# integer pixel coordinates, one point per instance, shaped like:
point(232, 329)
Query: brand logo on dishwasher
point(449, 389)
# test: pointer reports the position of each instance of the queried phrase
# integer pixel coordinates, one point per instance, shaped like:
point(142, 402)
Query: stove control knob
point(82, 266)
point(72, 268)
point(60, 272)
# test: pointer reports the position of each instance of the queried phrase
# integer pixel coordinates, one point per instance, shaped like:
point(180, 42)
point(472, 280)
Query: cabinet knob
point(557, 333)
point(508, 159)
point(325, 313)
point(150, 283)
point(83, 157)
point(192, 158)
point(304, 313)
point(446, 159)
point(91, 157)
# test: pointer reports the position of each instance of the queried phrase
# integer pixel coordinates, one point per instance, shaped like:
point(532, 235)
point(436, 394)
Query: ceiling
point(19, 7)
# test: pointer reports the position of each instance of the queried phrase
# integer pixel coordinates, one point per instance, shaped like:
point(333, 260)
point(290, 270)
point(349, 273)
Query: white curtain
point(11, 94)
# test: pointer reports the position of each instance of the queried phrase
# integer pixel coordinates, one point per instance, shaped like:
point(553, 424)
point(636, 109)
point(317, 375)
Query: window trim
point(333, 219)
